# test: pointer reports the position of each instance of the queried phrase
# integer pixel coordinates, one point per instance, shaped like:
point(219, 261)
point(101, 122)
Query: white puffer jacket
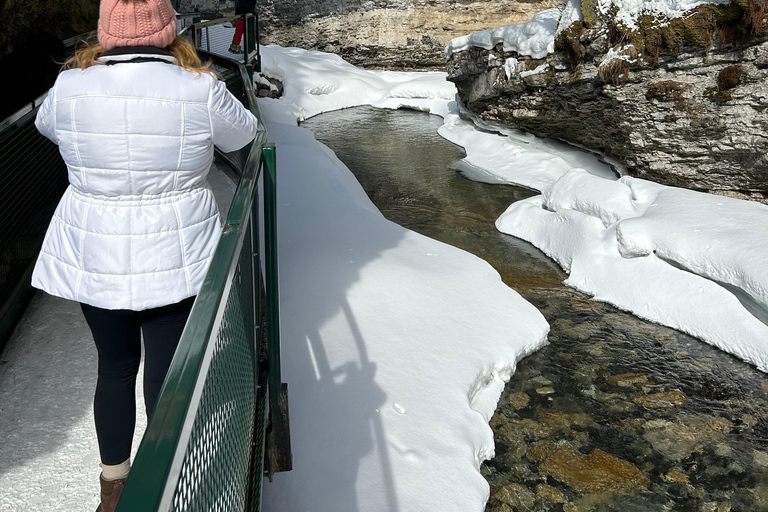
point(137, 227)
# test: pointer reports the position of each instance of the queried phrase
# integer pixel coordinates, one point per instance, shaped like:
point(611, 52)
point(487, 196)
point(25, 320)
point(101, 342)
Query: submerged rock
point(598, 472)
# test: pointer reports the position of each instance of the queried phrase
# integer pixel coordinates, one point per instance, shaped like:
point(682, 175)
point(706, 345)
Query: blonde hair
point(181, 48)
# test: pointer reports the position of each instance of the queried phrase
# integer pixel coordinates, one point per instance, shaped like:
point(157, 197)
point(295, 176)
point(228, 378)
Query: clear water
point(616, 413)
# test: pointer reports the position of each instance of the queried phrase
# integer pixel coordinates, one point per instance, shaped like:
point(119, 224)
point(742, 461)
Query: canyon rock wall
point(394, 34)
point(693, 116)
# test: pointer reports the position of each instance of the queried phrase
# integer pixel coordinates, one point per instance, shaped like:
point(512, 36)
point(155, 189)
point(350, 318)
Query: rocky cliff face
point(406, 34)
point(690, 112)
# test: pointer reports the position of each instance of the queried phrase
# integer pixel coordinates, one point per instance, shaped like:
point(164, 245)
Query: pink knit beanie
point(136, 23)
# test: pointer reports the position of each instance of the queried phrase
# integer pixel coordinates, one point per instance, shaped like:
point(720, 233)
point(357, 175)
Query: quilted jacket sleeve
point(232, 125)
point(46, 116)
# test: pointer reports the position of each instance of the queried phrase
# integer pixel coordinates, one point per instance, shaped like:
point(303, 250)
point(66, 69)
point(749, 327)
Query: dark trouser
point(117, 334)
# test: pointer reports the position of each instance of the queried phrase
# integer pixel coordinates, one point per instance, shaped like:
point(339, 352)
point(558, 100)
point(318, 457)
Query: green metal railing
point(221, 421)
point(32, 179)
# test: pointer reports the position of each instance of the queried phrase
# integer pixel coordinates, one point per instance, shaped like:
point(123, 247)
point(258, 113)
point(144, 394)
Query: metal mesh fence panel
point(217, 39)
point(216, 467)
point(32, 178)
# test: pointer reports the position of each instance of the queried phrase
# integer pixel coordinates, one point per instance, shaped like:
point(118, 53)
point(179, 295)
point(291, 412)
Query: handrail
point(155, 476)
point(156, 468)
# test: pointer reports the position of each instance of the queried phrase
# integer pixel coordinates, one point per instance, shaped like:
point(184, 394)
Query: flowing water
point(616, 414)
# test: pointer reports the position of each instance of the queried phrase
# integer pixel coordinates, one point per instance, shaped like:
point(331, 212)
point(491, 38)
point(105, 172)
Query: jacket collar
point(136, 54)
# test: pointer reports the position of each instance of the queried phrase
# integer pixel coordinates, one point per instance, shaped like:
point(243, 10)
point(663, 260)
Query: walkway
point(47, 378)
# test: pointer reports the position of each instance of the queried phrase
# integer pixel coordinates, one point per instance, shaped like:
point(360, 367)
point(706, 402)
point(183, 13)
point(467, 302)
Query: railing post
point(248, 43)
point(258, 42)
point(279, 436)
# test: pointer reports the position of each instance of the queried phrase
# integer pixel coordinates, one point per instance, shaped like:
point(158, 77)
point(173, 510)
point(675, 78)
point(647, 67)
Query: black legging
point(117, 334)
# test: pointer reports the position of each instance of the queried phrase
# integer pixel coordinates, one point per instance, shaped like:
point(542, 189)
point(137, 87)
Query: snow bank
point(535, 38)
point(317, 82)
point(684, 259)
point(396, 347)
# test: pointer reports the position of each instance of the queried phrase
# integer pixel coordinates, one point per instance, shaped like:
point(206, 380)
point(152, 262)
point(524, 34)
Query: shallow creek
point(616, 414)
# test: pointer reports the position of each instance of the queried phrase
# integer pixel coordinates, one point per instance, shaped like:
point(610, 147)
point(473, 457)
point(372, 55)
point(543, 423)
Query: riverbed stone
point(598, 472)
point(760, 497)
point(690, 434)
point(587, 373)
point(542, 381)
point(516, 449)
point(674, 398)
point(713, 506)
point(548, 390)
point(627, 380)
point(516, 496)
point(563, 420)
point(676, 476)
point(549, 493)
point(749, 419)
point(760, 457)
point(541, 451)
point(519, 400)
point(723, 450)
point(530, 429)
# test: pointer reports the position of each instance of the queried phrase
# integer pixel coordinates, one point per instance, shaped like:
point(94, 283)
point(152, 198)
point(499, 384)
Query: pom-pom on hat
point(136, 23)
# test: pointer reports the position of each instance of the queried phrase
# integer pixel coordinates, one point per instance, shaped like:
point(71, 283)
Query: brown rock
point(562, 420)
point(599, 472)
point(549, 493)
point(761, 458)
point(529, 429)
point(519, 400)
point(677, 440)
point(515, 496)
point(676, 476)
point(541, 451)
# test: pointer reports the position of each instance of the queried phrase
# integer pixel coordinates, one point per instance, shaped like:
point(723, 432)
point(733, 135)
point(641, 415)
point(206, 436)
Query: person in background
point(136, 119)
point(241, 7)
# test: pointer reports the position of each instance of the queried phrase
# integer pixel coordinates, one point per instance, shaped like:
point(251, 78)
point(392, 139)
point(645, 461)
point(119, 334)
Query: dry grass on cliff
point(737, 24)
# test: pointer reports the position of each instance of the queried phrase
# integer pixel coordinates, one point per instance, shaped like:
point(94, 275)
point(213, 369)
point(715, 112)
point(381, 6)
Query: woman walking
point(136, 118)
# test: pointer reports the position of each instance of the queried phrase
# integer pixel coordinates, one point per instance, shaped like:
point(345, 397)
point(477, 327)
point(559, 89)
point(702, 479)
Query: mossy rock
point(590, 12)
point(730, 77)
point(667, 90)
point(736, 23)
point(568, 41)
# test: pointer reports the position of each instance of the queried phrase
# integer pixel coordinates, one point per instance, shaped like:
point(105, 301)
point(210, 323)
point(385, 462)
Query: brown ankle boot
point(110, 493)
